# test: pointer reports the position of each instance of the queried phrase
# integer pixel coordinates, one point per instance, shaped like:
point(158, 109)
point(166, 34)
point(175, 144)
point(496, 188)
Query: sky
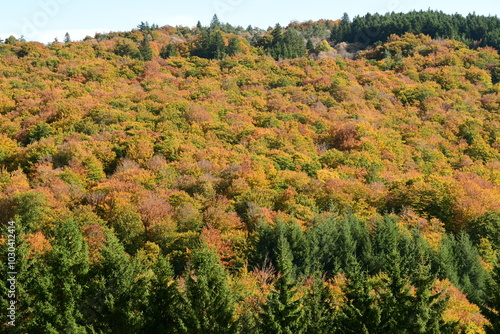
point(44, 20)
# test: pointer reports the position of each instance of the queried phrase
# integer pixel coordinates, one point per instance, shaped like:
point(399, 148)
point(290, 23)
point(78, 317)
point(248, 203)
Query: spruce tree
point(208, 302)
point(116, 292)
point(58, 290)
point(361, 313)
point(164, 302)
point(215, 23)
point(217, 47)
point(492, 308)
point(283, 312)
point(320, 311)
point(168, 51)
point(233, 46)
point(145, 49)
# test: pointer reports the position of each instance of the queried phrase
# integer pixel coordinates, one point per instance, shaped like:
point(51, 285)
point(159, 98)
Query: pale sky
point(43, 20)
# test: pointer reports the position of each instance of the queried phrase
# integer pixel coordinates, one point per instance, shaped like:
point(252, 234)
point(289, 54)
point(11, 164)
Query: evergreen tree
point(165, 302)
point(361, 312)
point(283, 312)
point(472, 276)
point(233, 46)
point(145, 49)
point(208, 301)
point(492, 308)
point(33, 298)
point(168, 51)
point(116, 292)
point(309, 45)
point(426, 309)
point(320, 312)
point(67, 38)
point(215, 23)
point(217, 47)
point(57, 283)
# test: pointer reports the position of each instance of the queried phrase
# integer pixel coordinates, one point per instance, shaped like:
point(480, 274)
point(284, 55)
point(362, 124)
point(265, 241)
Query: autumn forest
point(332, 176)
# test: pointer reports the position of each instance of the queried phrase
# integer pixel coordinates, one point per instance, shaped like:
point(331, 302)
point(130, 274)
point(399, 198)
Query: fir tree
point(217, 47)
point(215, 23)
point(59, 288)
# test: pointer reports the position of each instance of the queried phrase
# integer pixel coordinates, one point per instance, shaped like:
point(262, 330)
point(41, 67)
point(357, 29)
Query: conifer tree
point(217, 47)
point(283, 312)
point(320, 312)
point(233, 46)
point(58, 290)
point(33, 298)
point(492, 308)
point(215, 23)
point(145, 49)
point(361, 312)
point(116, 291)
point(168, 51)
point(165, 302)
point(208, 301)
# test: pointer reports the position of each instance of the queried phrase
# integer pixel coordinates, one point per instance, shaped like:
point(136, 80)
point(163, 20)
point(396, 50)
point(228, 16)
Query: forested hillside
point(227, 180)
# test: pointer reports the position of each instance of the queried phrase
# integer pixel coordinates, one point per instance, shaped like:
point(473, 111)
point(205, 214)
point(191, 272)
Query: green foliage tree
point(321, 315)
point(492, 307)
point(361, 312)
point(283, 311)
point(127, 48)
point(145, 49)
point(168, 51)
point(165, 303)
point(233, 46)
point(117, 291)
point(208, 302)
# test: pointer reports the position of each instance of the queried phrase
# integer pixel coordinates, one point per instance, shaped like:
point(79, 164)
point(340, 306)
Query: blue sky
point(43, 20)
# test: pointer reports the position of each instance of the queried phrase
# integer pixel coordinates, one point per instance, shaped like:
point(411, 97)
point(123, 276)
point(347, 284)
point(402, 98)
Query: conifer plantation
point(332, 176)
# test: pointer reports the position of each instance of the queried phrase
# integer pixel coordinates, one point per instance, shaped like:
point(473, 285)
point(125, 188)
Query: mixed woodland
point(332, 176)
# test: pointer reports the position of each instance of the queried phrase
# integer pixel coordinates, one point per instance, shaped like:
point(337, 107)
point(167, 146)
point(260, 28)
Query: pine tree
point(426, 309)
point(67, 38)
point(283, 312)
point(33, 297)
point(472, 275)
point(57, 286)
point(215, 23)
point(309, 45)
